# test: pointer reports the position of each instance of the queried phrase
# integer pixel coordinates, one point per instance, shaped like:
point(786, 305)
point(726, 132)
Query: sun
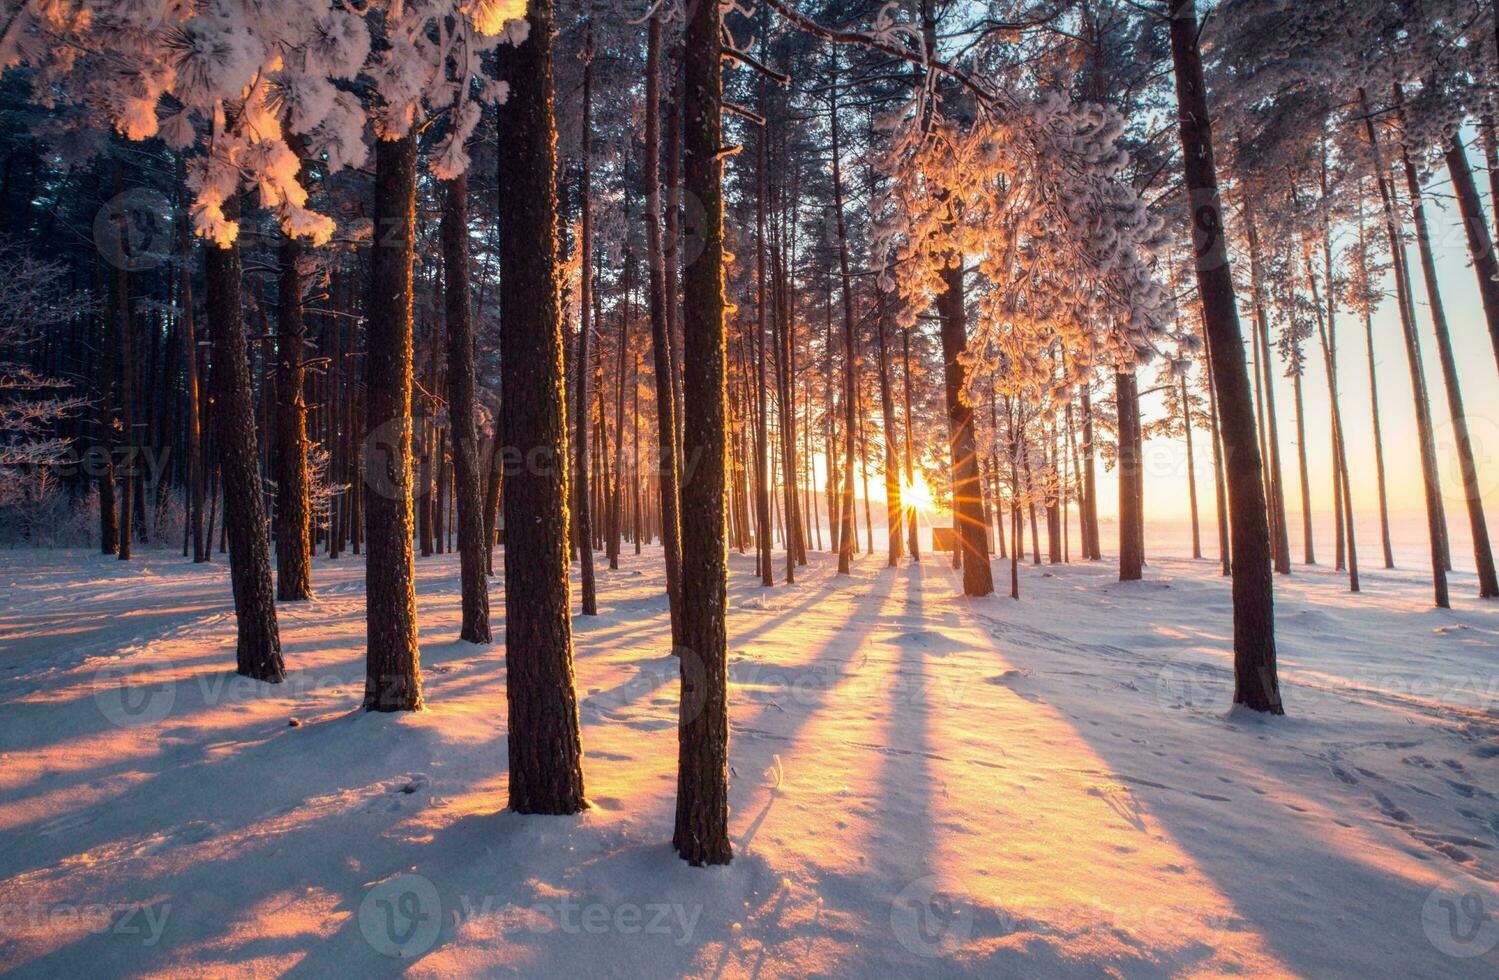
point(917, 494)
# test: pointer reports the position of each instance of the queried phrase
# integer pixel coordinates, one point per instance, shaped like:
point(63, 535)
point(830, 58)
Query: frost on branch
point(1032, 198)
point(233, 78)
point(30, 404)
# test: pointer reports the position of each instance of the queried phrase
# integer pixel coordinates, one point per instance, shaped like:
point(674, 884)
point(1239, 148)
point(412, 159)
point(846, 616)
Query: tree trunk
point(1191, 468)
point(582, 502)
point(1280, 542)
point(1092, 547)
point(1384, 512)
point(762, 481)
point(661, 348)
point(636, 517)
point(1480, 244)
point(1306, 490)
point(1255, 681)
point(191, 428)
point(544, 745)
point(495, 460)
point(1017, 539)
point(846, 527)
point(702, 819)
point(1342, 491)
point(1131, 534)
point(124, 325)
point(783, 336)
point(467, 470)
point(1219, 490)
point(393, 677)
point(672, 257)
point(616, 495)
point(864, 479)
point(1435, 521)
point(830, 429)
point(968, 516)
point(892, 464)
point(914, 541)
point(1483, 555)
point(109, 520)
point(258, 646)
point(293, 511)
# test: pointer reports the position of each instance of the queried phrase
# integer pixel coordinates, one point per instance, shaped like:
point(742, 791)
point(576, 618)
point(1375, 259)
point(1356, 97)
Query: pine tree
point(702, 820)
point(544, 744)
point(582, 364)
point(293, 512)
point(662, 297)
point(1255, 682)
point(258, 645)
point(467, 455)
point(393, 676)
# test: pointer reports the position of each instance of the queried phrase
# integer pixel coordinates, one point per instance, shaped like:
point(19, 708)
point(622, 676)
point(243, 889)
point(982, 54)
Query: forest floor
point(922, 784)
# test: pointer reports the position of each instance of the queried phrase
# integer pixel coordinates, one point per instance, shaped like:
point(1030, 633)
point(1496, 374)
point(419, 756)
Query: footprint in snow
point(1344, 775)
point(1389, 809)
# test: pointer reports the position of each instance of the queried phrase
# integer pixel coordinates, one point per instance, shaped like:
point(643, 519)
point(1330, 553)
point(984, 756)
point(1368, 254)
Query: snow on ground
point(921, 783)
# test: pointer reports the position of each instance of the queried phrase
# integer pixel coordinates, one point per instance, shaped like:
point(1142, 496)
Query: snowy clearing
point(921, 783)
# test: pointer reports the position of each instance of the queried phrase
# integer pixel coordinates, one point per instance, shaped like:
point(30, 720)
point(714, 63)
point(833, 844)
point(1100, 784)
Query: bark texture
point(468, 477)
point(661, 358)
point(544, 744)
point(293, 509)
point(967, 490)
point(702, 820)
point(258, 645)
point(1256, 684)
point(393, 675)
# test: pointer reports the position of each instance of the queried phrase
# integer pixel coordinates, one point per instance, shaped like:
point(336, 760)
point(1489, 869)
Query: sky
point(1166, 481)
